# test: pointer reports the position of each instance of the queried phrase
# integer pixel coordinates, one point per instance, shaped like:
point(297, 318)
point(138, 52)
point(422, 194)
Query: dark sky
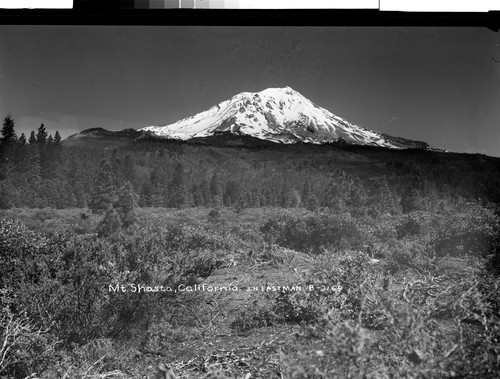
point(439, 85)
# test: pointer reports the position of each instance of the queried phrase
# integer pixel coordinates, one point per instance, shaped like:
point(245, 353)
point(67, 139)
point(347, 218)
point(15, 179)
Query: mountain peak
point(280, 115)
point(279, 92)
point(287, 89)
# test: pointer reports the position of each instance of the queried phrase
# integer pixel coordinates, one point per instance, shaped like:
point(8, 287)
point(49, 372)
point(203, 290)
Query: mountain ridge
point(279, 115)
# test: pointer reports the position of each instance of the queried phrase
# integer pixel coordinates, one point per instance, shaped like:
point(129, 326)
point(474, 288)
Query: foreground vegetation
point(413, 295)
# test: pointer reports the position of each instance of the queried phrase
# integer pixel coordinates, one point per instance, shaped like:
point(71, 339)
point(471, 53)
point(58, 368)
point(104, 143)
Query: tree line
point(41, 172)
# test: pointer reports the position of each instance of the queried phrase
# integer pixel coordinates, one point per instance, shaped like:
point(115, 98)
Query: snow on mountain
point(279, 115)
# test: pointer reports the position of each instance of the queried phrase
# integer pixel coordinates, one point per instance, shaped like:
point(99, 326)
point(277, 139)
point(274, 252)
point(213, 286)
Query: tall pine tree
point(216, 190)
point(104, 192)
point(180, 197)
point(125, 205)
point(8, 133)
point(207, 195)
point(158, 189)
point(41, 136)
point(22, 156)
point(35, 170)
point(7, 147)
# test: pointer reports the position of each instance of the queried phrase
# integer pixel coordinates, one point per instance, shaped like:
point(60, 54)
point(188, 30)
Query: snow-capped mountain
point(279, 115)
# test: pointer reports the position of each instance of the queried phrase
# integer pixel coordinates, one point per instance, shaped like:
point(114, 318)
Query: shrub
point(335, 282)
point(415, 341)
point(24, 347)
point(64, 281)
point(192, 236)
point(410, 226)
point(382, 229)
point(214, 215)
point(407, 253)
point(341, 355)
point(471, 230)
point(313, 231)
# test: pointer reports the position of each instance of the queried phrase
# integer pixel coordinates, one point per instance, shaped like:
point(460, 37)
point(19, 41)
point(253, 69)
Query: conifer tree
point(35, 169)
point(309, 199)
point(66, 198)
point(197, 195)
point(125, 204)
point(232, 193)
point(22, 155)
point(268, 197)
point(73, 172)
point(57, 150)
point(180, 197)
point(128, 169)
point(207, 195)
point(178, 177)
point(333, 195)
point(7, 147)
point(289, 198)
point(145, 200)
point(48, 159)
point(243, 200)
point(43, 140)
point(217, 202)
point(32, 140)
point(188, 201)
point(8, 134)
point(216, 188)
point(57, 138)
point(254, 199)
point(157, 189)
point(104, 192)
point(41, 136)
point(48, 194)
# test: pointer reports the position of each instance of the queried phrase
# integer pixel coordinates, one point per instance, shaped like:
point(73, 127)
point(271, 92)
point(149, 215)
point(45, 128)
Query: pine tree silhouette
point(125, 204)
point(104, 193)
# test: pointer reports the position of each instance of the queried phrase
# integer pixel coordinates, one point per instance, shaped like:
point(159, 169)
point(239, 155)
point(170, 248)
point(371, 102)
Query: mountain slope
point(280, 115)
point(102, 138)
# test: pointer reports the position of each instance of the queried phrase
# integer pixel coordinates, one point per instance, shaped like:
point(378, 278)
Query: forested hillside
point(42, 172)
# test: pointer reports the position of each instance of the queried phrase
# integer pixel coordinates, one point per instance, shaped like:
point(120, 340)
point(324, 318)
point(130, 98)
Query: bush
point(415, 340)
point(410, 226)
point(470, 231)
point(64, 281)
point(334, 283)
point(24, 347)
point(313, 231)
point(193, 236)
point(20, 249)
point(341, 355)
point(407, 253)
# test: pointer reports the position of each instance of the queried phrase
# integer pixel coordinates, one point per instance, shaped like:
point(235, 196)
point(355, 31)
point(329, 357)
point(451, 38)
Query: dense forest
point(42, 172)
point(331, 261)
